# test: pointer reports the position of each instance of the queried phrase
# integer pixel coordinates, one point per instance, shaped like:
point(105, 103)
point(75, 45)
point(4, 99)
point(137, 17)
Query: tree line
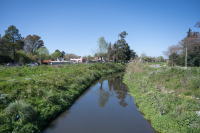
point(118, 52)
point(15, 48)
point(187, 50)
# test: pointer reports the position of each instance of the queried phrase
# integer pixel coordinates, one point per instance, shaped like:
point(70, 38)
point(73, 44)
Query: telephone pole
point(186, 59)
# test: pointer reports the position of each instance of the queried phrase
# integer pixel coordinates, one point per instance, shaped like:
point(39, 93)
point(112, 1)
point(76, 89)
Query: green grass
point(173, 112)
point(39, 94)
point(155, 63)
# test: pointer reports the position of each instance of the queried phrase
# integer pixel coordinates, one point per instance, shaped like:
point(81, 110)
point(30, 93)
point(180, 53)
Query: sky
point(74, 26)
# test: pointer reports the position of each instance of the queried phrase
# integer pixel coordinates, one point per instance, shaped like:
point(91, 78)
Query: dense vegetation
point(167, 97)
point(32, 96)
point(189, 46)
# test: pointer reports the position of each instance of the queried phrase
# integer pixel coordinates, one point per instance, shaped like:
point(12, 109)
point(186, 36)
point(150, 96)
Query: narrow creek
point(106, 107)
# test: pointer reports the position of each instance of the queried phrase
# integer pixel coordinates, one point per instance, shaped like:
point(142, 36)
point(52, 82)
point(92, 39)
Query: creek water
point(105, 107)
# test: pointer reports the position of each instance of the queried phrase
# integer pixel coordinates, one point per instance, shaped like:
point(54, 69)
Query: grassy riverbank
point(167, 97)
point(36, 95)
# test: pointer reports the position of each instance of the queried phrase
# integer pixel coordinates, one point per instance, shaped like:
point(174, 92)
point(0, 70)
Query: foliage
point(56, 55)
point(4, 58)
point(102, 47)
point(20, 110)
point(32, 43)
point(123, 52)
point(41, 93)
point(177, 53)
point(161, 95)
point(43, 52)
point(13, 39)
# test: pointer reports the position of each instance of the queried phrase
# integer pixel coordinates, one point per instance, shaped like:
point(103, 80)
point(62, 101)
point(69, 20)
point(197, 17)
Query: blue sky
point(74, 26)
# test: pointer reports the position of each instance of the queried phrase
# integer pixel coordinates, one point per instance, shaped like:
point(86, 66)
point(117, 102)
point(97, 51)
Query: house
point(98, 59)
point(46, 61)
point(78, 60)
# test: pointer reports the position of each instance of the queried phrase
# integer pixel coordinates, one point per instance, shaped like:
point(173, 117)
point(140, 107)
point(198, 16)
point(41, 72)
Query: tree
point(197, 24)
point(102, 47)
point(62, 54)
point(174, 58)
point(32, 43)
point(143, 57)
point(69, 56)
point(42, 52)
point(173, 49)
point(160, 58)
point(123, 50)
point(4, 46)
point(13, 39)
point(56, 55)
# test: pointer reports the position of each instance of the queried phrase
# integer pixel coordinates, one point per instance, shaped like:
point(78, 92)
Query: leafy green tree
point(43, 53)
point(32, 43)
point(160, 58)
point(143, 56)
point(13, 39)
point(123, 50)
point(102, 47)
point(55, 55)
point(174, 57)
point(4, 49)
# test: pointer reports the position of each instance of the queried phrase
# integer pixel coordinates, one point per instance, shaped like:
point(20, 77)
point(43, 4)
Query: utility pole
point(186, 59)
point(40, 57)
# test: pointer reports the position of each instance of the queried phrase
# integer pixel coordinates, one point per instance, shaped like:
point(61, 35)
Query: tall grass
point(168, 97)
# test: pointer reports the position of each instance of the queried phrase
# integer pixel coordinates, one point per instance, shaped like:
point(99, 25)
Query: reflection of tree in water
point(120, 89)
point(103, 95)
point(115, 87)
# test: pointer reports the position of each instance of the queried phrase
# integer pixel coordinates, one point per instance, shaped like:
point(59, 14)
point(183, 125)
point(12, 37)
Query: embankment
point(33, 96)
point(167, 97)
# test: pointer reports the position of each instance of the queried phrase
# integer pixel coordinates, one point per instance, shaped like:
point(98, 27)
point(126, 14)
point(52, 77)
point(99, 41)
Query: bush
point(21, 110)
point(5, 59)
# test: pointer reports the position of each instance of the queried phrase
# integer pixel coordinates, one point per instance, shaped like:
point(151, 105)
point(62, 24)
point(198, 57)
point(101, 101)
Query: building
point(46, 61)
point(78, 60)
point(98, 59)
point(57, 62)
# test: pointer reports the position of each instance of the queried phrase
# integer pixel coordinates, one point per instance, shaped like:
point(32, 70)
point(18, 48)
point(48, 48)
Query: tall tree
point(4, 46)
point(14, 39)
point(62, 54)
point(32, 43)
point(123, 49)
point(102, 47)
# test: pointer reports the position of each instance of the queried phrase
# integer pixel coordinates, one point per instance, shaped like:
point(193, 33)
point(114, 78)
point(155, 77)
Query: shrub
point(20, 110)
point(28, 128)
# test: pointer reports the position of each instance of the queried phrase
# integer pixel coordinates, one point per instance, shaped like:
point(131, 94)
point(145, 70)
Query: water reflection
point(115, 88)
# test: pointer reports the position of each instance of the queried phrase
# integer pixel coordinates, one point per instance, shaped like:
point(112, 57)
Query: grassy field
point(167, 97)
point(32, 96)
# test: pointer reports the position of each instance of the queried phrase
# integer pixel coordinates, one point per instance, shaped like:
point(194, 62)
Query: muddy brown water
point(106, 107)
